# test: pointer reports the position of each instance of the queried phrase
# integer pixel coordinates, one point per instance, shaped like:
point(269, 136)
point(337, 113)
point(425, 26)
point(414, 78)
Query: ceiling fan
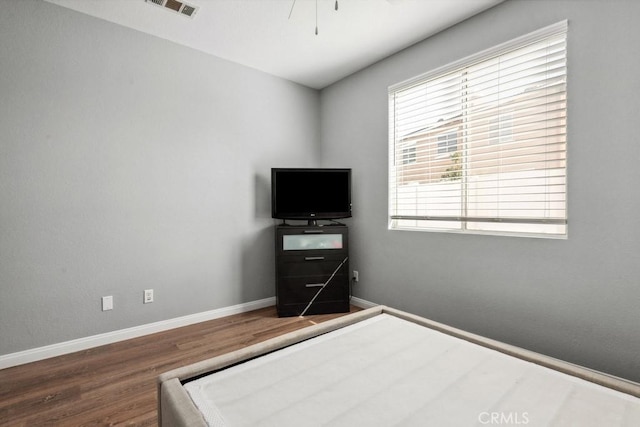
point(294, 3)
point(392, 2)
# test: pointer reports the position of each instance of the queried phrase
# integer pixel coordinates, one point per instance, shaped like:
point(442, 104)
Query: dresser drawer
point(292, 266)
point(301, 290)
point(312, 242)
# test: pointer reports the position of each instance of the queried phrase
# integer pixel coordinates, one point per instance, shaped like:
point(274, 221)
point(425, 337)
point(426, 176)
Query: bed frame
point(175, 407)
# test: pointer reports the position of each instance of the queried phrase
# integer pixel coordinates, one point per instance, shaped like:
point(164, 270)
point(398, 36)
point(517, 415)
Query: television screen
point(310, 193)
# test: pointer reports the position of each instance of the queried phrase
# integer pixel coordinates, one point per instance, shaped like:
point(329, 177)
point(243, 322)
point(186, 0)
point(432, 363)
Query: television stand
point(312, 269)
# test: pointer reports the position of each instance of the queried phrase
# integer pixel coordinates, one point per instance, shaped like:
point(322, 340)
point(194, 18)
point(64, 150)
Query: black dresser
point(312, 269)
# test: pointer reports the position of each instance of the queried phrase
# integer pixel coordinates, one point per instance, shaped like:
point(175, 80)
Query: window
point(448, 143)
point(409, 153)
point(500, 129)
point(488, 142)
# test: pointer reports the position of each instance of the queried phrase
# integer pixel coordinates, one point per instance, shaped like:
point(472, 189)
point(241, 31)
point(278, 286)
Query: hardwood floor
point(115, 384)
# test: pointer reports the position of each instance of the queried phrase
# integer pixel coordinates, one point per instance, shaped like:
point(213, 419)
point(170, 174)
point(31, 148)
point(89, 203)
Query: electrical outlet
point(356, 276)
point(107, 303)
point(148, 296)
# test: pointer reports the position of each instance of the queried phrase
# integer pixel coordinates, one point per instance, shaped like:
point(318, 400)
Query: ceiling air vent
point(176, 6)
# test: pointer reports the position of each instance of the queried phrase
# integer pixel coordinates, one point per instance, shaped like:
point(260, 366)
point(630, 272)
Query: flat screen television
point(310, 194)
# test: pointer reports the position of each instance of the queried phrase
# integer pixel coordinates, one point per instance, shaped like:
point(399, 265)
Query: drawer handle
point(314, 285)
point(313, 258)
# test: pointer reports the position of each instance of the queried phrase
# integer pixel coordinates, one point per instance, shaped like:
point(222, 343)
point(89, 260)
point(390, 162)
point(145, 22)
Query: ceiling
point(278, 36)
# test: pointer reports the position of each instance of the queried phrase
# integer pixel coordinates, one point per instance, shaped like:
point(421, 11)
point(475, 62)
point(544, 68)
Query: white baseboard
point(40, 353)
point(359, 302)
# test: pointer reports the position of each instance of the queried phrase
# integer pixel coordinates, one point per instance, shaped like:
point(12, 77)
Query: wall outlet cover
point(148, 296)
point(107, 303)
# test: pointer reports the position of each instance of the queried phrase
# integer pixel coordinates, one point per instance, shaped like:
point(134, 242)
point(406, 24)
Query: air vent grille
point(176, 6)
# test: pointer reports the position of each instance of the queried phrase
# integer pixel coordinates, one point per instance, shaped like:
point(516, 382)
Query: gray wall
point(128, 162)
point(576, 299)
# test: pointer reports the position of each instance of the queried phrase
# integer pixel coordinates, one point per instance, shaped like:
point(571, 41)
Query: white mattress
point(386, 371)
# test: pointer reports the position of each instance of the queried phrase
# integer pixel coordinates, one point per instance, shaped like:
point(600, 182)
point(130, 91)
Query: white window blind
point(487, 137)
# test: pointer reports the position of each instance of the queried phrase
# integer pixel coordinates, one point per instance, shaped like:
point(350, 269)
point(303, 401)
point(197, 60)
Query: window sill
point(482, 233)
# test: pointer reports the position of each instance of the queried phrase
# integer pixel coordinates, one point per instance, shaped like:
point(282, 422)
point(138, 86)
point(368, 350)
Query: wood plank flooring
point(115, 384)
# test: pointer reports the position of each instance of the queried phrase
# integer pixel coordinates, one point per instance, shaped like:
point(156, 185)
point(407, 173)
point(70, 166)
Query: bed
point(384, 367)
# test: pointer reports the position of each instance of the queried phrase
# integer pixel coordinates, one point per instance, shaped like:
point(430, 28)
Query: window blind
point(480, 145)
